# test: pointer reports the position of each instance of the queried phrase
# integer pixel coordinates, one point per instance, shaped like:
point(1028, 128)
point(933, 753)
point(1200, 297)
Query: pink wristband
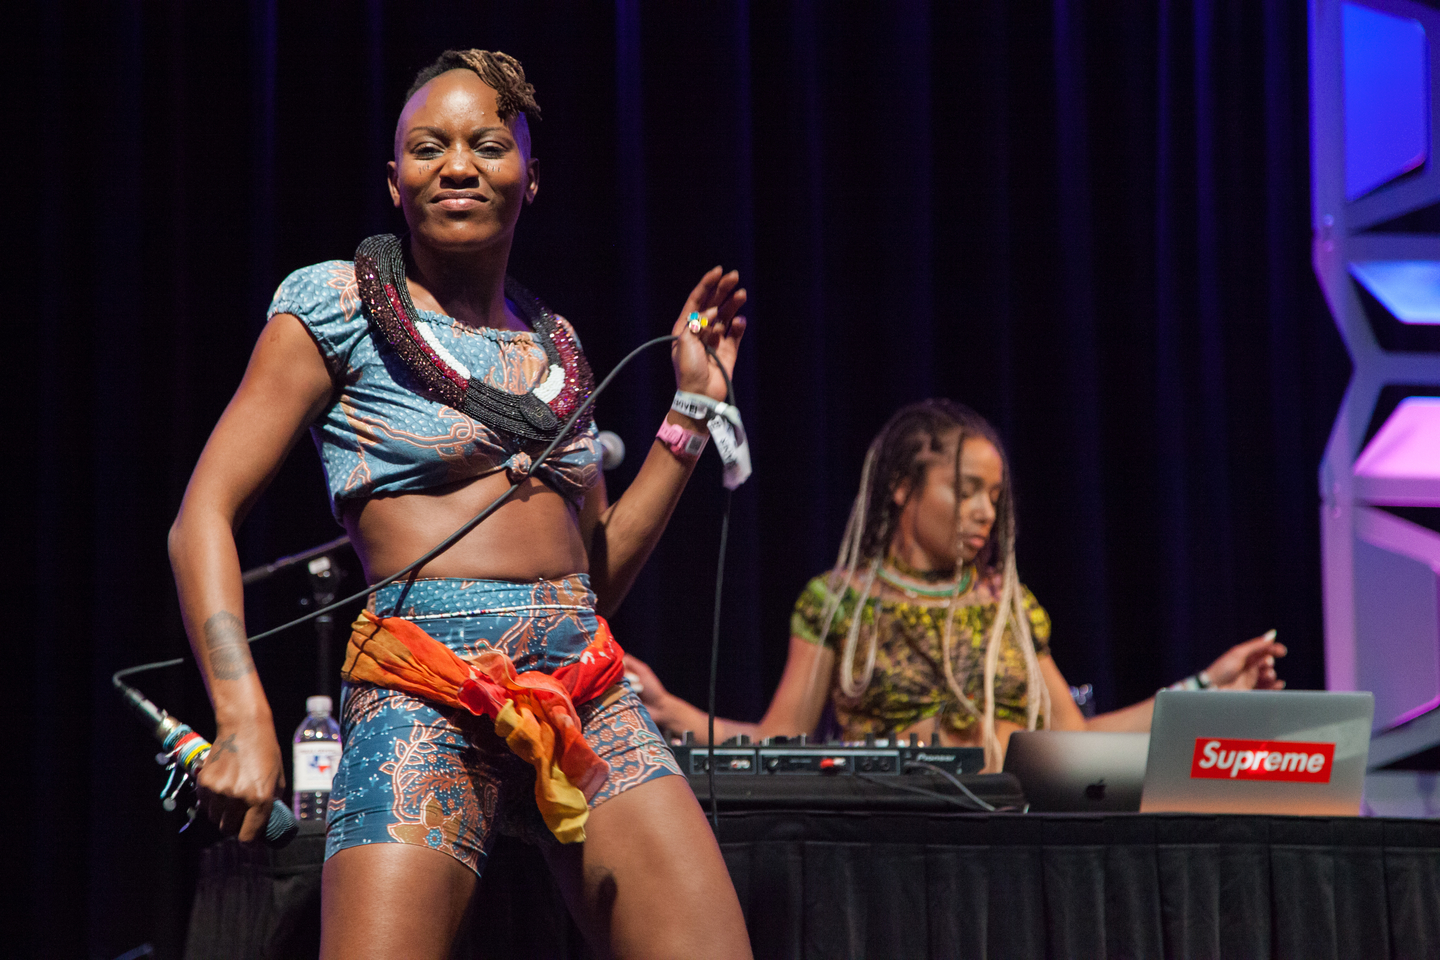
point(682, 442)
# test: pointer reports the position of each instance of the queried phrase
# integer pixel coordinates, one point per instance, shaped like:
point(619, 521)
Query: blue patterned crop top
point(383, 433)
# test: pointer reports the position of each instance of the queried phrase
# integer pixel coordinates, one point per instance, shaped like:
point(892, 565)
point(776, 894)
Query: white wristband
point(723, 420)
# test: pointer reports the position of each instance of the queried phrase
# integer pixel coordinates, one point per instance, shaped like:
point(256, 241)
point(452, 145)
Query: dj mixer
point(886, 756)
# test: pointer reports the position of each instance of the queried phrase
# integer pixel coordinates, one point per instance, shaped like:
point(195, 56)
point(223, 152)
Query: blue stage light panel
point(1409, 289)
point(1387, 98)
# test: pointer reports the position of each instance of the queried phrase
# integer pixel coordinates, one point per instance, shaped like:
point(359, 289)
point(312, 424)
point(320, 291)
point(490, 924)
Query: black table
point(891, 883)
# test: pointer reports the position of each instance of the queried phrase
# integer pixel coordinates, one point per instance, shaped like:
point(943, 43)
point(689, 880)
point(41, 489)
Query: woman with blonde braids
point(923, 626)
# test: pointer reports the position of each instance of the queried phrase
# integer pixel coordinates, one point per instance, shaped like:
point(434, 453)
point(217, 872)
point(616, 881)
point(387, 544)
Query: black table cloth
point(828, 884)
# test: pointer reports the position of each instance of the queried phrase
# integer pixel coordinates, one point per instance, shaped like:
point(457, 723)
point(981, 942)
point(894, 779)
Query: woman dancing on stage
point(947, 640)
point(429, 382)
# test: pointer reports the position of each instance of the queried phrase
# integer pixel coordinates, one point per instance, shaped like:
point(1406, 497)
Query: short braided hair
point(500, 71)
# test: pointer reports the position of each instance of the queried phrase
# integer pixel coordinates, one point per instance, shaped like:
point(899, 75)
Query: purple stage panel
point(1398, 625)
point(1376, 252)
point(1387, 98)
point(1401, 463)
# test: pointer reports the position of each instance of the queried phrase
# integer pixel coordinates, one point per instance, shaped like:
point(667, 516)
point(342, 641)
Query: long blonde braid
point(1009, 612)
point(841, 576)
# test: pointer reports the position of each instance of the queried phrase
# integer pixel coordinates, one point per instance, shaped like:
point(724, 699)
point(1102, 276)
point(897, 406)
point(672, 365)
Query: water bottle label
point(315, 764)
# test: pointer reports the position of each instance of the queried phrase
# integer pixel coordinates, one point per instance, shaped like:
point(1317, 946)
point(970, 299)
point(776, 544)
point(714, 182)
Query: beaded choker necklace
point(537, 414)
point(900, 578)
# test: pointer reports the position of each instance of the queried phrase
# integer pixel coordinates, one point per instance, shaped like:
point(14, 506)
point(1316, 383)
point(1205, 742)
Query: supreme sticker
point(1217, 758)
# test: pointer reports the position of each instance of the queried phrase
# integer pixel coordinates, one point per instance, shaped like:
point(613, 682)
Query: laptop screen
point(1285, 751)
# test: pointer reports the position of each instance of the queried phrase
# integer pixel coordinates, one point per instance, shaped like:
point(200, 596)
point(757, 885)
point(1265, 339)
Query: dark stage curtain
point(1089, 221)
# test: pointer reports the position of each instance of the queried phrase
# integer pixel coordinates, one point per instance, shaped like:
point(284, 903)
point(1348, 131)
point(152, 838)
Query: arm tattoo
point(225, 641)
point(227, 745)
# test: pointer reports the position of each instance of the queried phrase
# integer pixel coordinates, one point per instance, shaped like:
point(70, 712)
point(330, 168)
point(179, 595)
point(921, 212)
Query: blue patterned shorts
point(441, 778)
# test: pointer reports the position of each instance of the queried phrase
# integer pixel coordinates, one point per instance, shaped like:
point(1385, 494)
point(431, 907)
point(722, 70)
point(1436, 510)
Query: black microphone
point(184, 749)
point(612, 449)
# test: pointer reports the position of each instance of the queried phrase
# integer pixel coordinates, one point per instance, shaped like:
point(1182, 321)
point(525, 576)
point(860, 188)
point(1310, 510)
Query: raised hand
point(718, 298)
point(1249, 665)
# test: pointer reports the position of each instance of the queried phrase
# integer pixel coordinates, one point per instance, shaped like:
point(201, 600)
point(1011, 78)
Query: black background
point(1089, 221)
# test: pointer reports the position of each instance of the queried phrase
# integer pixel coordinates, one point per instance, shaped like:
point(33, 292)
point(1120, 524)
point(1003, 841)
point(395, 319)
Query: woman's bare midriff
point(535, 535)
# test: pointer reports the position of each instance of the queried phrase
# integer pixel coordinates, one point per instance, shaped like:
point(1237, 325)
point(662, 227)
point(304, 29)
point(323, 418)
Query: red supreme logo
point(1220, 759)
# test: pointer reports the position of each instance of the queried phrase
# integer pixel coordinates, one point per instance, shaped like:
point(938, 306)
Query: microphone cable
point(413, 569)
point(715, 667)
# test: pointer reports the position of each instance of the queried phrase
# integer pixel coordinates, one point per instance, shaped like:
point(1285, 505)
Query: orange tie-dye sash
point(534, 712)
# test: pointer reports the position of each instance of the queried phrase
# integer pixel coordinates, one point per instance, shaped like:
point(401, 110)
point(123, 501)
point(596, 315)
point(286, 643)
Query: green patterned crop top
point(909, 681)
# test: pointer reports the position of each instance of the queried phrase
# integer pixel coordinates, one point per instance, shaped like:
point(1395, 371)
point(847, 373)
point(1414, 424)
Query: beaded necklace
point(537, 414)
point(895, 569)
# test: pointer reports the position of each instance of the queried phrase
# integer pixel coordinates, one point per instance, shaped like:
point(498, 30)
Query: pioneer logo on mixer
point(1218, 758)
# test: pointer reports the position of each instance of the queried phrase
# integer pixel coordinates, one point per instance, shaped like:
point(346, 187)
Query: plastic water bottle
point(316, 757)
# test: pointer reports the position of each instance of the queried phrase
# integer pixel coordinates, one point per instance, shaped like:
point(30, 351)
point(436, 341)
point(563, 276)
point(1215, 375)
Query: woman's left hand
point(1249, 665)
point(718, 297)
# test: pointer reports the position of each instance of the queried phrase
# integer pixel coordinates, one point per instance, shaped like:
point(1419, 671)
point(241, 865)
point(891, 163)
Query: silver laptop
point(1221, 751)
point(1063, 771)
